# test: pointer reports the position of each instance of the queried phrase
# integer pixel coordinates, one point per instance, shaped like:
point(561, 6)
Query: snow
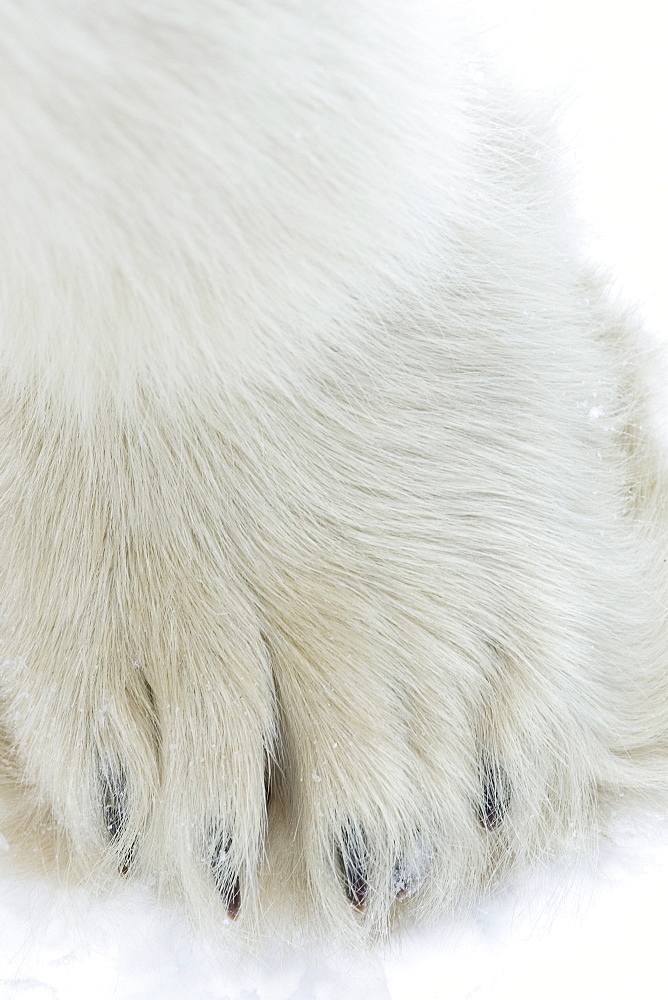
point(595, 930)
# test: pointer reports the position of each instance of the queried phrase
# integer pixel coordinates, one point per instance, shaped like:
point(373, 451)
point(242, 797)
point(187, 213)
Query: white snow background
point(596, 930)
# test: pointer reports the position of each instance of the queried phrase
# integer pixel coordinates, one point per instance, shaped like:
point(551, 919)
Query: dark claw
point(114, 813)
point(233, 901)
point(353, 861)
point(230, 891)
point(126, 863)
point(495, 794)
point(114, 803)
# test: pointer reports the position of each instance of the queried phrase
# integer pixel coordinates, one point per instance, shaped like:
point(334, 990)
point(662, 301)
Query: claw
point(353, 861)
point(230, 891)
point(495, 794)
point(233, 901)
point(114, 813)
point(410, 870)
point(114, 803)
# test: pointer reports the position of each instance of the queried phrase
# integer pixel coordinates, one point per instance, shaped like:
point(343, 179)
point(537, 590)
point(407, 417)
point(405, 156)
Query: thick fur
point(333, 540)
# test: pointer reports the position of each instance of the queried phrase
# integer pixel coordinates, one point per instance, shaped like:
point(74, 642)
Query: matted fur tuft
point(332, 531)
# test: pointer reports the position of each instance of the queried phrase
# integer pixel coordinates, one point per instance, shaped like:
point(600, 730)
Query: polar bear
point(333, 529)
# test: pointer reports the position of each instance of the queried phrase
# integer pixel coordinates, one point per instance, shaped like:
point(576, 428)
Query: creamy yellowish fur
point(332, 535)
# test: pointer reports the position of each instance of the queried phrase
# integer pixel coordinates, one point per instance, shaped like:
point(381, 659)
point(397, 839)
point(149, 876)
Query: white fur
point(324, 464)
